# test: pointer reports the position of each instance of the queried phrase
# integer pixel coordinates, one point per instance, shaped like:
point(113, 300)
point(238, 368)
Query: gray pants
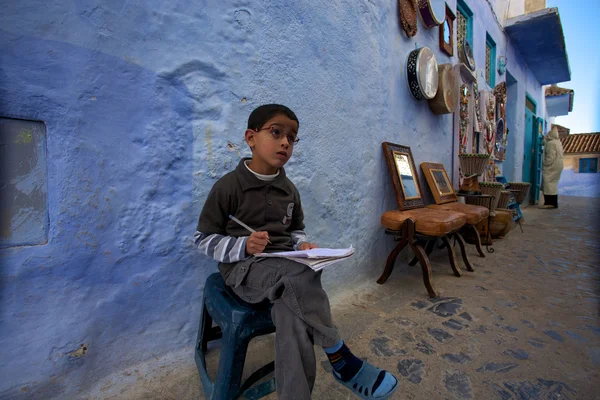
point(301, 314)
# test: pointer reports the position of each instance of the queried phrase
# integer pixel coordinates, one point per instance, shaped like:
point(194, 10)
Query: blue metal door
point(528, 145)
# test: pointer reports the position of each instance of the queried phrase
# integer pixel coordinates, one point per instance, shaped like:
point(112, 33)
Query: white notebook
point(316, 259)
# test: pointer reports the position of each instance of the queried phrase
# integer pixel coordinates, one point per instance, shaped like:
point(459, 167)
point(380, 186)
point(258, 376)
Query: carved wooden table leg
point(477, 240)
point(461, 244)
point(428, 249)
point(391, 260)
point(426, 268)
point(423, 259)
point(451, 256)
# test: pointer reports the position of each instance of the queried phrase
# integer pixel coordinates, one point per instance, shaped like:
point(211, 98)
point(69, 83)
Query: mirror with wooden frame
point(404, 176)
point(438, 182)
point(447, 33)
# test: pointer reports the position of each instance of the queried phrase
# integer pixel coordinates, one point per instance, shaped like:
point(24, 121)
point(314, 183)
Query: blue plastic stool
point(513, 204)
point(237, 323)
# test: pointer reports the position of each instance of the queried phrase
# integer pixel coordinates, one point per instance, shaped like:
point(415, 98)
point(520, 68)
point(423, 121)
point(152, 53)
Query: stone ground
point(524, 325)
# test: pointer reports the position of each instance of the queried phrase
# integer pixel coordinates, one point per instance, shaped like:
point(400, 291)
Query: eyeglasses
point(278, 132)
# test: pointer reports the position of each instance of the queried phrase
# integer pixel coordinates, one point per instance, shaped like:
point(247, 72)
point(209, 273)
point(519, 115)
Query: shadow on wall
point(579, 184)
point(118, 281)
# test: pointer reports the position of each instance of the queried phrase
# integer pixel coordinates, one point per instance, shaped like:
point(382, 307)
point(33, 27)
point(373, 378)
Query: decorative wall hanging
point(475, 141)
point(490, 131)
point(500, 94)
point(501, 65)
point(465, 53)
point(464, 119)
point(478, 122)
point(497, 170)
point(491, 171)
point(501, 137)
point(500, 149)
point(407, 10)
point(422, 73)
point(446, 98)
point(432, 12)
point(447, 33)
point(490, 135)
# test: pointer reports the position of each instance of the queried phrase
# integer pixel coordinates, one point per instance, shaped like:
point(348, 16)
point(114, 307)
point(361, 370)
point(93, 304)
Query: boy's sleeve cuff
point(297, 245)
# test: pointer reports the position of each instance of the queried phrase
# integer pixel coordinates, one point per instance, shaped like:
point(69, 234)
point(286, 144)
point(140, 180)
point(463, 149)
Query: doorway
point(508, 169)
point(533, 150)
point(528, 149)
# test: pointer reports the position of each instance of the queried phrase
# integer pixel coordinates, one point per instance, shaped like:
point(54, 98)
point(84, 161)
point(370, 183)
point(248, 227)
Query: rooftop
point(539, 38)
point(581, 143)
point(557, 91)
point(559, 101)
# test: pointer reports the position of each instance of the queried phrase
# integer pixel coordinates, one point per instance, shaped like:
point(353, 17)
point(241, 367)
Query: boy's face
point(273, 143)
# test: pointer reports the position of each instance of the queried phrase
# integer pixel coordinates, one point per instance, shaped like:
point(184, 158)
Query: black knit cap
point(263, 113)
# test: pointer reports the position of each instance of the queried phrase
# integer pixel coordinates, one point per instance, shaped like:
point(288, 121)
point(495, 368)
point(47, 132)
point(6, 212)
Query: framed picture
point(404, 176)
point(447, 33)
point(439, 183)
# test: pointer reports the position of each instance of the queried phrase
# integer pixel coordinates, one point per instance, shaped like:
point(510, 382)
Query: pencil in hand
point(243, 225)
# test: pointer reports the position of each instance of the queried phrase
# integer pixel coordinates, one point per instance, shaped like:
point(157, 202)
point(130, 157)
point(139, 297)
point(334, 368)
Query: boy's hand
point(307, 246)
point(257, 242)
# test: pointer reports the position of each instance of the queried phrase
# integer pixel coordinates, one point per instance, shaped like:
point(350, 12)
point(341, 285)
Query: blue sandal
point(364, 380)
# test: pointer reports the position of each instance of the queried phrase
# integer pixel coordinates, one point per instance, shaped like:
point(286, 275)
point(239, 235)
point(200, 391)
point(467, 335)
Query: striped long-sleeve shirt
point(228, 249)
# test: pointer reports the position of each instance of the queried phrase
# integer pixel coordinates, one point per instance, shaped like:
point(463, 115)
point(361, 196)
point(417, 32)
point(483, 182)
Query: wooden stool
point(446, 199)
point(427, 224)
point(474, 214)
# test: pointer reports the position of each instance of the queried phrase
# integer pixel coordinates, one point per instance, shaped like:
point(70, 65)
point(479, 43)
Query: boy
point(259, 194)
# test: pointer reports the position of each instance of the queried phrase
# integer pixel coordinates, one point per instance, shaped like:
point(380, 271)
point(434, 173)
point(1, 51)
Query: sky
point(581, 26)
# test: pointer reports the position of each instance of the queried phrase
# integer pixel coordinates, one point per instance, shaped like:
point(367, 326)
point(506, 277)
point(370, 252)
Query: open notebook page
point(313, 253)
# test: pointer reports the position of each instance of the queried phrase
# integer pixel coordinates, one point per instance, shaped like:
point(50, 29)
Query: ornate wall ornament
point(501, 134)
point(407, 10)
point(422, 73)
point(464, 118)
point(478, 123)
point(490, 131)
point(501, 65)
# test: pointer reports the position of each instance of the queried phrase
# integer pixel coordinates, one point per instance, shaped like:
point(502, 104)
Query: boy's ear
point(249, 135)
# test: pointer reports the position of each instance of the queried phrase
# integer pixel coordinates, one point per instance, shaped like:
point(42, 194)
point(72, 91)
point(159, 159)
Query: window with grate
point(488, 52)
point(461, 27)
point(464, 23)
point(490, 60)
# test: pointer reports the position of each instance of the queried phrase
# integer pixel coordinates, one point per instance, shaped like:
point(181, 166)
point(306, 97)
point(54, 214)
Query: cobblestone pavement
point(524, 325)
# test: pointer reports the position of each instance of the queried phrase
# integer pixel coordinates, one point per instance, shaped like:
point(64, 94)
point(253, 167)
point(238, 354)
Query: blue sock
point(345, 364)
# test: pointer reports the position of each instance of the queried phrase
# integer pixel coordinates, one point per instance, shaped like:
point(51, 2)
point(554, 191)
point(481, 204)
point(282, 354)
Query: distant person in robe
point(552, 168)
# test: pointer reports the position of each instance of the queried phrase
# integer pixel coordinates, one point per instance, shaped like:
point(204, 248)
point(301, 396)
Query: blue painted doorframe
point(538, 146)
point(532, 152)
point(528, 145)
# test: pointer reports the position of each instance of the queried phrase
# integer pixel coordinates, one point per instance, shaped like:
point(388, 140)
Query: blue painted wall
point(145, 106)
point(579, 184)
point(488, 16)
